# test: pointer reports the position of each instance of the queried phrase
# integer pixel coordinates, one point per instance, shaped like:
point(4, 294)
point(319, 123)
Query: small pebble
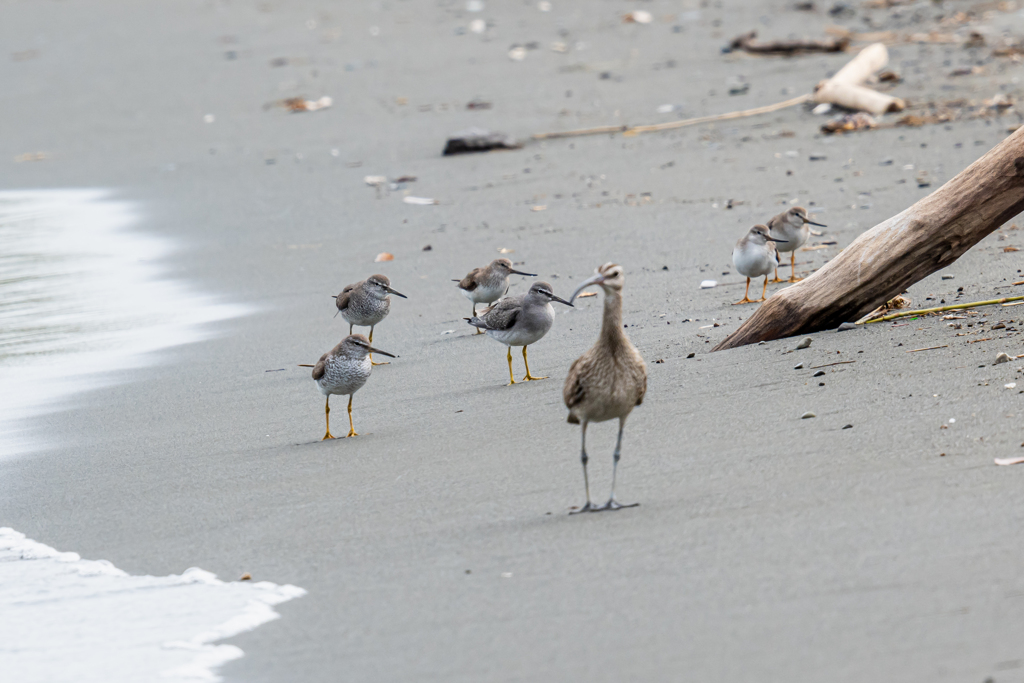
point(948, 277)
point(691, 354)
point(804, 343)
point(846, 326)
point(798, 366)
point(1002, 358)
point(807, 415)
point(847, 426)
point(819, 373)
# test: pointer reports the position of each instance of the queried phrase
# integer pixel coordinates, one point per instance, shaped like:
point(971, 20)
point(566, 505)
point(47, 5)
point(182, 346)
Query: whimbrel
point(366, 303)
point(520, 321)
point(607, 381)
point(487, 285)
point(754, 255)
point(343, 370)
point(791, 229)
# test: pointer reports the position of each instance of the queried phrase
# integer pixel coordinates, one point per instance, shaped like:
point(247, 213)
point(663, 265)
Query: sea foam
point(63, 618)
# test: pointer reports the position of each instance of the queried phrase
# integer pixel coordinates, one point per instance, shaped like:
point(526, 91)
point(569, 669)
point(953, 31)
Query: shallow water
point(83, 294)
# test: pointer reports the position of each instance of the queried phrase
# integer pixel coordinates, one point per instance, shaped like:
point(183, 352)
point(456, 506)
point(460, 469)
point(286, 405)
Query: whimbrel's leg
point(589, 507)
point(613, 504)
point(746, 295)
point(792, 267)
point(765, 289)
point(327, 415)
point(350, 329)
point(528, 377)
point(351, 427)
point(371, 355)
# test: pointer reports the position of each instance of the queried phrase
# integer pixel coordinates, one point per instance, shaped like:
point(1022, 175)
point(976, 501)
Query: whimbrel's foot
point(589, 507)
point(613, 504)
point(327, 436)
point(745, 300)
point(530, 378)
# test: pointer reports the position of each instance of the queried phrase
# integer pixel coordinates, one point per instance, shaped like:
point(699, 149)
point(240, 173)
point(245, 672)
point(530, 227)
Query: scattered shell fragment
point(299, 104)
point(798, 366)
point(375, 180)
point(808, 414)
point(420, 201)
point(539, 207)
point(384, 256)
point(517, 53)
point(819, 373)
point(847, 426)
point(947, 276)
point(1009, 461)
point(1011, 385)
point(1002, 358)
point(638, 16)
point(503, 250)
point(478, 26)
point(245, 577)
point(804, 343)
point(708, 284)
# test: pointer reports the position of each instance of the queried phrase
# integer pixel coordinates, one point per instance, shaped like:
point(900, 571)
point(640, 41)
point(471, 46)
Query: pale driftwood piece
point(846, 88)
point(896, 253)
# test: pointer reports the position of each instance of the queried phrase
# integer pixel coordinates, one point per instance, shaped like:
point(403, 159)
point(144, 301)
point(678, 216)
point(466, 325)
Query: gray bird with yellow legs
point(344, 370)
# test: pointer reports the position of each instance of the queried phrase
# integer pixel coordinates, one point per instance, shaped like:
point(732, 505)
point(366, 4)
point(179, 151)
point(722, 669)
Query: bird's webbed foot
point(589, 507)
point(613, 504)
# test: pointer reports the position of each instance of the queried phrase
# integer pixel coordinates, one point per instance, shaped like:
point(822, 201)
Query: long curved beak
point(396, 293)
point(383, 353)
point(561, 301)
point(595, 280)
point(820, 225)
point(519, 272)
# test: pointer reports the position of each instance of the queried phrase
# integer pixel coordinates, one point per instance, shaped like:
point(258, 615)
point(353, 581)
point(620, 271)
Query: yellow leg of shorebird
point(528, 377)
point(777, 275)
point(351, 427)
point(765, 290)
point(511, 377)
point(327, 414)
point(478, 330)
point(371, 355)
point(746, 296)
point(792, 268)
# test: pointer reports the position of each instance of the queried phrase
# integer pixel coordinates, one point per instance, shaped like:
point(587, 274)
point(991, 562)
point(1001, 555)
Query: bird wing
point(573, 392)
point(320, 368)
point(343, 298)
point(503, 315)
point(469, 282)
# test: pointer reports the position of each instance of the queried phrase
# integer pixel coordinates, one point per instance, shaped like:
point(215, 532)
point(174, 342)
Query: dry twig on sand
point(939, 309)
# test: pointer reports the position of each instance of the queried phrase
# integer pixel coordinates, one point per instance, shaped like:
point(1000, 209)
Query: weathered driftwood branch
point(847, 90)
point(896, 253)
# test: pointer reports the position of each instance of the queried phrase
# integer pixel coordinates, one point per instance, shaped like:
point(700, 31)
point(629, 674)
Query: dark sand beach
point(437, 545)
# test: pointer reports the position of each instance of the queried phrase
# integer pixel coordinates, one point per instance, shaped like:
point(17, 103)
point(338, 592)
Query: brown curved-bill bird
point(607, 381)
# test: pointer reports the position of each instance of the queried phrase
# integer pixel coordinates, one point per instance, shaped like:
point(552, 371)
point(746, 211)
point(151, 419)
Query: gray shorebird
point(607, 381)
point(791, 229)
point(754, 255)
point(344, 370)
point(366, 303)
point(520, 321)
point(487, 285)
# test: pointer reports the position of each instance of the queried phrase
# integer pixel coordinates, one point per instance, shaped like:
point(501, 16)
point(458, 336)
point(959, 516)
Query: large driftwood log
point(896, 253)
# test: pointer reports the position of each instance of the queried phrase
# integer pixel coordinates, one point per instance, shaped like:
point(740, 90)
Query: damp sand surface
point(766, 547)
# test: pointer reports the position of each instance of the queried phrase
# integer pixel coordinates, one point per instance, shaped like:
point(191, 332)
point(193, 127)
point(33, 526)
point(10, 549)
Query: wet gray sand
point(437, 545)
